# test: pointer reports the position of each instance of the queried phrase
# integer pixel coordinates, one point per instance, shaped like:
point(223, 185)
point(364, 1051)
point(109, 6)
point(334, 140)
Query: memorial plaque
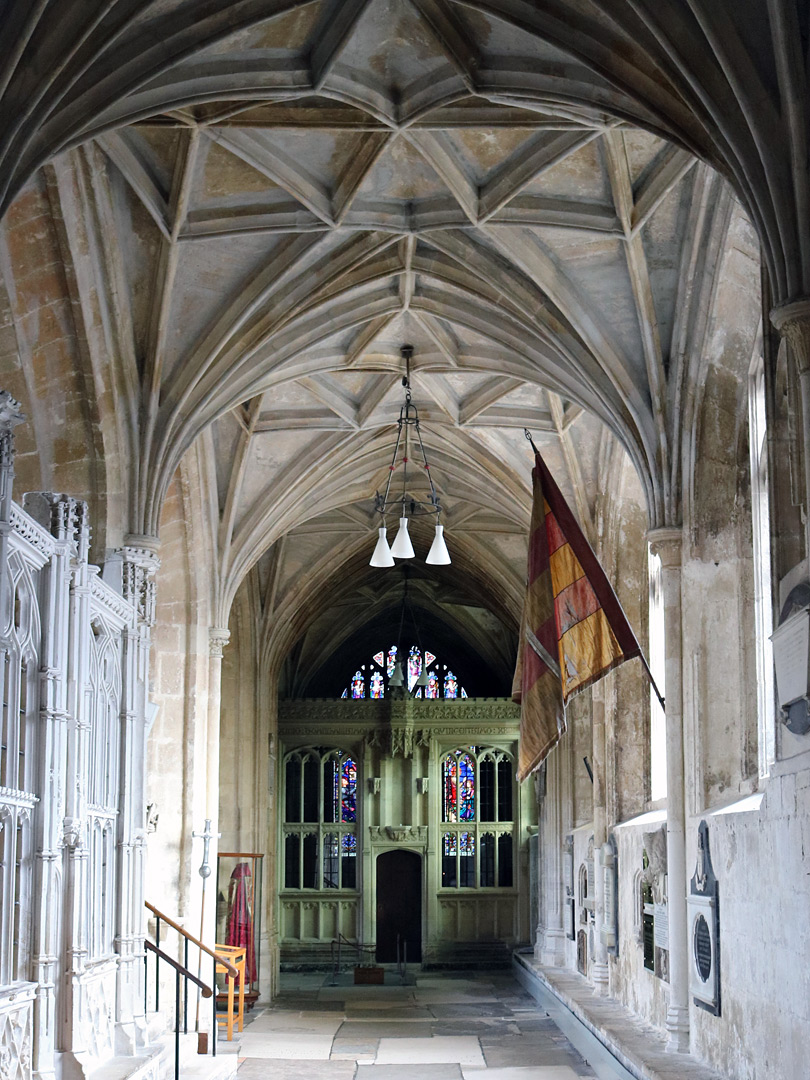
point(661, 925)
point(704, 923)
point(702, 945)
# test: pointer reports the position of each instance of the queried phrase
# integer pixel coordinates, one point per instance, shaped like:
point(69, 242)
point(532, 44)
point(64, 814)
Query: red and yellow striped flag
point(573, 628)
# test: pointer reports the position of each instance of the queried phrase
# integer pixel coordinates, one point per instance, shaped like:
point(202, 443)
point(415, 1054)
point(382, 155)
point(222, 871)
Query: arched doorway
point(399, 905)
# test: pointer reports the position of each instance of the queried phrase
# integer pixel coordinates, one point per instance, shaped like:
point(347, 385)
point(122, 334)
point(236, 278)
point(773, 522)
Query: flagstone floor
point(436, 1027)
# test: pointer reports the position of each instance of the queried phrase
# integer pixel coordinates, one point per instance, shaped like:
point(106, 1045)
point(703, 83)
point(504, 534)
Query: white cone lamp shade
point(396, 675)
point(382, 552)
point(438, 554)
point(402, 548)
point(423, 677)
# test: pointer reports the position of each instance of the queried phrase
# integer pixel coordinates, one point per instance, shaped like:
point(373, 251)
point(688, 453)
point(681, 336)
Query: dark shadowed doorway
point(399, 905)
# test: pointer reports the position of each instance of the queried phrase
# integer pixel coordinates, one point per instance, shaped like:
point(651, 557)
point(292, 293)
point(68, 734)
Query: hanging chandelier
point(408, 435)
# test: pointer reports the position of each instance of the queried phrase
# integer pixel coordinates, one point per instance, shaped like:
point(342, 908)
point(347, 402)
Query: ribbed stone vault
point(265, 200)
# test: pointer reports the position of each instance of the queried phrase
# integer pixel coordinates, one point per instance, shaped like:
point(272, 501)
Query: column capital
point(793, 323)
point(218, 638)
point(667, 544)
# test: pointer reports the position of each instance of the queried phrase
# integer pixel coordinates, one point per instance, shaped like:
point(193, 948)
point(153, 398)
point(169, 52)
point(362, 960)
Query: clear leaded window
point(320, 819)
point(477, 818)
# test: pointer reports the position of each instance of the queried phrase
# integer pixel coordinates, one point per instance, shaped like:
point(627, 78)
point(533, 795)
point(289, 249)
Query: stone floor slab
point(283, 1069)
point(368, 1029)
point(287, 1045)
point(387, 1011)
point(463, 1049)
point(520, 1050)
point(468, 1009)
point(406, 1072)
point(526, 1072)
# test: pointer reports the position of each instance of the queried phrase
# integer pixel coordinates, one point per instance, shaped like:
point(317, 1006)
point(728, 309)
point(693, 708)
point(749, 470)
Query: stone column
point(667, 544)
point(139, 564)
point(550, 945)
point(601, 970)
point(218, 638)
point(793, 323)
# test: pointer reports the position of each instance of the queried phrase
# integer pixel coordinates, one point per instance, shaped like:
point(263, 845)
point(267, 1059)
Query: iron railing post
point(157, 967)
point(185, 988)
point(214, 1029)
point(177, 1026)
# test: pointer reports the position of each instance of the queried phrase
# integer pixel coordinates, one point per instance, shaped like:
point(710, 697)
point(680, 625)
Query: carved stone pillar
point(550, 944)
point(667, 544)
point(601, 970)
point(793, 323)
point(139, 565)
point(218, 638)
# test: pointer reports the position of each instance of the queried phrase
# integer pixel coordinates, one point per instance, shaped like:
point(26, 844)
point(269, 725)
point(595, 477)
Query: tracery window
point(371, 680)
point(477, 818)
point(320, 818)
point(102, 811)
point(18, 725)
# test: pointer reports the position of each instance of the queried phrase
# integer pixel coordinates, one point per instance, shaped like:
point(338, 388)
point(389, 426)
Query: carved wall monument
point(704, 929)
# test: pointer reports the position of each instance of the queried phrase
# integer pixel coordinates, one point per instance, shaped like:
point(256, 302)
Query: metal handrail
point(206, 990)
point(179, 972)
point(230, 969)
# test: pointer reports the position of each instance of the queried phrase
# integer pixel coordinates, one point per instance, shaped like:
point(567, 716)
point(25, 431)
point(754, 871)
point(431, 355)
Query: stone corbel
point(218, 638)
point(139, 566)
point(72, 834)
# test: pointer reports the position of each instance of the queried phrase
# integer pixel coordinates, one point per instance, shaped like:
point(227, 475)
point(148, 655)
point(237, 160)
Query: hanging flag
point(573, 628)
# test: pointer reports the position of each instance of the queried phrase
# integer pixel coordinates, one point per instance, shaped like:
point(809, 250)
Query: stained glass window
point(348, 791)
point(459, 788)
point(348, 861)
point(414, 666)
point(441, 683)
point(358, 685)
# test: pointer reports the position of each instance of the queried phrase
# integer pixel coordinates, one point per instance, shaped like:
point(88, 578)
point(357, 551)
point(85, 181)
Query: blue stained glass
point(449, 769)
point(345, 693)
point(358, 685)
point(463, 692)
point(392, 659)
point(376, 686)
point(459, 787)
point(450, 685)
point(348, 791)
point(450, 843)
point(414, 667)
point(466, 843)
point(349, 844)
point(432, 688)
point(466, 788)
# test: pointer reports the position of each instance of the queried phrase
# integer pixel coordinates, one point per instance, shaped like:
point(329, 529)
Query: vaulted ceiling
point(311, 186)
